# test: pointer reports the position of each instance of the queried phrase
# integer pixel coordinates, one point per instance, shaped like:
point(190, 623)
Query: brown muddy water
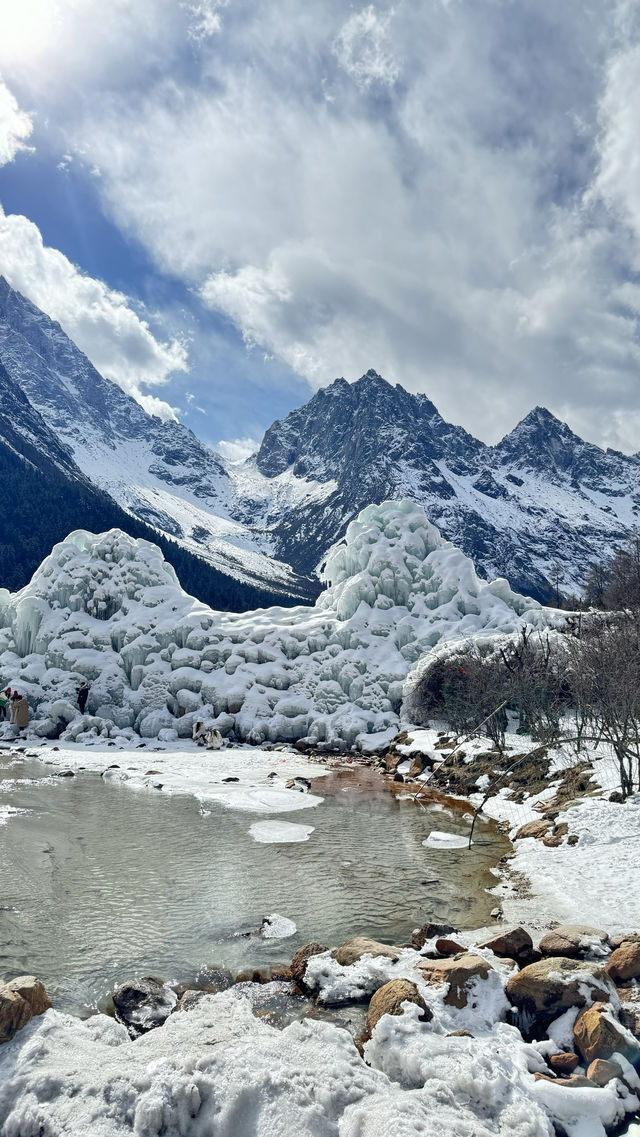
point(100, 883)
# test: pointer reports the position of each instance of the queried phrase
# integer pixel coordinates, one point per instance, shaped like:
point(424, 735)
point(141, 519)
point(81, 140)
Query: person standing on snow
point(4, 703)
point(83, 695)
point(19, 711)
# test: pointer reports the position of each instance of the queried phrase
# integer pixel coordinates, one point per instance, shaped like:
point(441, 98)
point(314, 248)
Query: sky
point(227, 204)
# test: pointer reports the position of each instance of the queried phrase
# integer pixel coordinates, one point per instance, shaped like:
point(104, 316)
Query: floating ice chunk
point(276, 927)
point(439, 840)
point(280, 832)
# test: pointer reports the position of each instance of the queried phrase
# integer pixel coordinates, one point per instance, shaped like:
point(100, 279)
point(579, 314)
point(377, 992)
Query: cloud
point(363, 48)
point(99, 320)
point(15, 126)
point(238, 449)
point(440, 191)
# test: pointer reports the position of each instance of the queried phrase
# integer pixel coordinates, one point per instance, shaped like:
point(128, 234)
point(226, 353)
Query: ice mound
point(108, 608)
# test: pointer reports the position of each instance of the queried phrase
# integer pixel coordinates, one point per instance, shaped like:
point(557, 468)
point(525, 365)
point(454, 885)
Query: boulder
point(190, 999)
point(601, 1071)
point(624, 962)
point(299, 961)
point(391, 762)
point(213, 979)
point(389, 1000)
point(546, 988)
point(448, 947)
point(420, 936)
point(629, 938)
point(20, 1000)
point(354, 949)
point(564, 1063)
point(512, 943)
point(537, 828)
point(597, 1035)
point(571, 940)
point(552, 842)
point(577, 1081)
point(457, 972)
point(418, 764)
point(32, 991)
point(143, 1004)
point(629, 1015)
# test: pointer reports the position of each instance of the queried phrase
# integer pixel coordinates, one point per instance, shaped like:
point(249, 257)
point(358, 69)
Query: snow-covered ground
point(259, 776)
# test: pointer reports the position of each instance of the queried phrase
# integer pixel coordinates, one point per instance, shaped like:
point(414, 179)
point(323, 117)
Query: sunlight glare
point(27, 28)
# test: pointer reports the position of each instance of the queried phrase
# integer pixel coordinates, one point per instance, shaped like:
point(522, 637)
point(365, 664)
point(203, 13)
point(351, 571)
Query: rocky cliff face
point(542, 497)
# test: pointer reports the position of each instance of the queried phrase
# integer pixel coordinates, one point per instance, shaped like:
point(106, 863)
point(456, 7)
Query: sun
point(27, 27)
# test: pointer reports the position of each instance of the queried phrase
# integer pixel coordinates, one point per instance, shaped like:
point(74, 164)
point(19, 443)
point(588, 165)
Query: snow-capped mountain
point(541, 504)
point(158, 471)
point(538, 507)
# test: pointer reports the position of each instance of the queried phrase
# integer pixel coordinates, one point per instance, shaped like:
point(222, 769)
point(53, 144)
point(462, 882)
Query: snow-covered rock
point(109, 609)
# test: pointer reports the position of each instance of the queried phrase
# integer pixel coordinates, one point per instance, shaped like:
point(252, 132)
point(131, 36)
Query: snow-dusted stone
point(597, 1034)
point(299, 961)
point(390, 1000)
point(353, 950)
point(550, 986)
point(572, 940)
point(143, 1004)
point(512, 943)
point(458, 972)
point(624, 962)
point(32, 991)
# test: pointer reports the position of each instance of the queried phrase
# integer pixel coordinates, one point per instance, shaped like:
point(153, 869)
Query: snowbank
point(217, 1068)
point(109, 609)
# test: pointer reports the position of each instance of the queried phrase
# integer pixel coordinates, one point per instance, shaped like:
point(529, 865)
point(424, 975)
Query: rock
point(14, 1012)
point(190, 999)
point(32, 991)
point(569, 940)
point(598, 1035)
point(629, 938)
point(624, 962)
point(601, 1071)
point(629, 1015)
point(617, 797)
point(418, 764)
point(281, 971)
point(564, 1063)
point(533, 829)
point(143, 1004)
point(388, 1000)
point(391, 762)
point(457, 972)
point(420, 936)
point(550, 986)
point(512, 943)
point(354, 949)
point(573, 839)
point(449, 947)
point(213, 979)
point(257, 975)
point(300, 959)
point(460, 1034)
point(552, 842)
point(575, 1080)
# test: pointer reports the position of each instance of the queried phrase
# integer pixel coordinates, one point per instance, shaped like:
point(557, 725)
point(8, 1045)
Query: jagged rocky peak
point(368, 425)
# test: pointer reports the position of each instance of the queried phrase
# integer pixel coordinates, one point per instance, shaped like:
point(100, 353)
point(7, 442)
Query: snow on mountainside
point(158, 471)
point(108, 608)
point(540, 496)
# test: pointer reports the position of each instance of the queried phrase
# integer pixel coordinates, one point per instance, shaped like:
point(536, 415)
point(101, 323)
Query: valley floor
point(220, 1071)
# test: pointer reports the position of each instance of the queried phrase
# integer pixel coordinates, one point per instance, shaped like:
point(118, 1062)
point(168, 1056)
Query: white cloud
point(363, 48)
point(618, 180)
point(205, 18)
point(440, 191)
point(15, 125)
point(99, 320)
point(238, 449)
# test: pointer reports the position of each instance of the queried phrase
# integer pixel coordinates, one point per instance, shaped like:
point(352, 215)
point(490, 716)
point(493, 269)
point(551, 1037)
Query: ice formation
point(108, 608)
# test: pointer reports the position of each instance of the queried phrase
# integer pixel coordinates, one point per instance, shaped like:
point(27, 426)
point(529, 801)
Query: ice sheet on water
point(280, 832)
point(108, 608)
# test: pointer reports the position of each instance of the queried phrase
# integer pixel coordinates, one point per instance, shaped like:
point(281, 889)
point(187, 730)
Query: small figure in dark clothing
point(83, 695)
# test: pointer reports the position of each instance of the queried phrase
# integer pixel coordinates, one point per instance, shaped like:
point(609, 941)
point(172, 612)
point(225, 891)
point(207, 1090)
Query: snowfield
point(109, 609)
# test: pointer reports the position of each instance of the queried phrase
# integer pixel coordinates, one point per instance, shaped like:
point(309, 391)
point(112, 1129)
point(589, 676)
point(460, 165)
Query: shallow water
point(100, 883)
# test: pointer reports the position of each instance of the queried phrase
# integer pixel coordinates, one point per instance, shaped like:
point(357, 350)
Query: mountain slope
point(158, 471)
point(540, 504)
